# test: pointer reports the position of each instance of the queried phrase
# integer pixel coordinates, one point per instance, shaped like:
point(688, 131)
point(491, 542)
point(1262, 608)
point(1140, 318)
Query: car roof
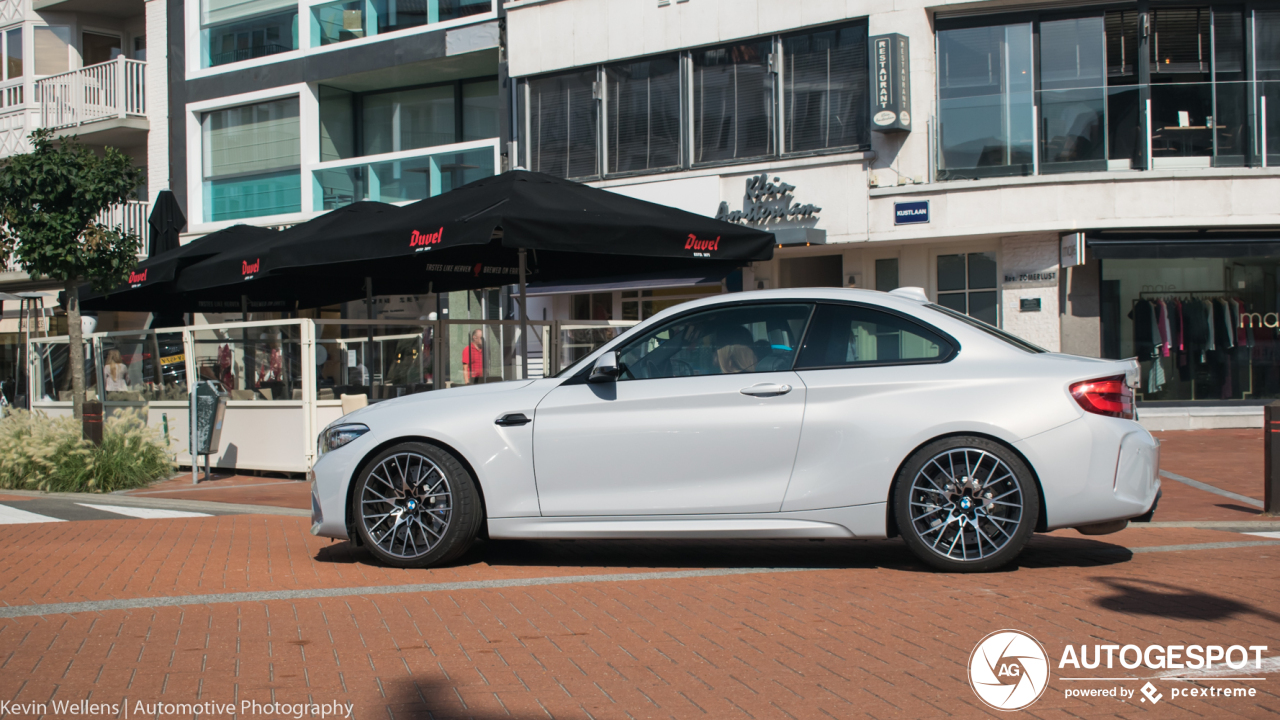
point(906, 303)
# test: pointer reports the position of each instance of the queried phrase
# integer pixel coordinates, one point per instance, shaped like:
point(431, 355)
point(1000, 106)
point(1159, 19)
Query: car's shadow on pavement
point(1041, 552)
point(1150, 597)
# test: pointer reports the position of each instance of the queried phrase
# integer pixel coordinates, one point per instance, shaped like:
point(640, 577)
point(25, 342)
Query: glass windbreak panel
point(337, 124)
point(253, 363)
point(144, 367)
point(562, 124)
point(748, 339)
point(733, 102)
point(850, 335)
point(479, 110)
point(1266, 30)
point(251, 160)
point(408, 119)
point(644, 114)
point(1073, 95)
point(250, 38)
point(985, 101)
point(52, 377)
point(1203, 329)
point(396, 362)
point(13, 54)
point(825, 86)
point(887, 274)
point(488, 352)
point(394, 181)
point(576, 343)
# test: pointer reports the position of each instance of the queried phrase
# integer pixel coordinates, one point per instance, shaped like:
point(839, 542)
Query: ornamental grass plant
point(38, 452)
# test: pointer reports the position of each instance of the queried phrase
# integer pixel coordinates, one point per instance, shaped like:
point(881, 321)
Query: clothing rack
point(1174, 293)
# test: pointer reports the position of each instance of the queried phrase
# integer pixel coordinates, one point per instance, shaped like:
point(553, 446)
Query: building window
point(825, 88)
point(252, 160)
point(562, 124)
point(733, 102)
point(98, 48)
point(967, 284)
point(644, 304)
point(1088, 78)
point(52, 48)
point(643, 116)
point(13, 54)
point(336, 22)
point(238, 30)
point(887, 274)
point(407, 119)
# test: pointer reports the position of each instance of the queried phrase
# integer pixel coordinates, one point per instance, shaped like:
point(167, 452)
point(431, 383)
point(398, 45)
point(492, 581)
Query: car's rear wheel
point(415, 505)
point(966, 504)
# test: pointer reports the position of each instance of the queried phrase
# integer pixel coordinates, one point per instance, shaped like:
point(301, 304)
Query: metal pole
point(1271, 459)
point(368, 352)
point(195, 458)
point(524, 322)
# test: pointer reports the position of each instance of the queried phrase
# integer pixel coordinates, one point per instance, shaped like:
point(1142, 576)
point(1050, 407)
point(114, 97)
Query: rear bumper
point(1094, 470)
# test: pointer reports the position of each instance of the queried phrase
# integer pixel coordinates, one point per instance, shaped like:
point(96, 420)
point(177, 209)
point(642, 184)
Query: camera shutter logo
point(1009, 670)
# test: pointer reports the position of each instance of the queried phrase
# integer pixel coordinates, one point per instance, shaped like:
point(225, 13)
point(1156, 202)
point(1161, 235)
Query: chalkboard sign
point(210, 407)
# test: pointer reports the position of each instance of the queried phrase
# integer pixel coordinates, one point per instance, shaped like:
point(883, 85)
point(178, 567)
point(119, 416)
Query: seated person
point(734, 353)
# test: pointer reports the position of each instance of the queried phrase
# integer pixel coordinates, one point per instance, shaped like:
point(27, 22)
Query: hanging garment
point(1180, 327)
point(1197, 337)
point(1156, 341)
point(1141, 316)
point(1155, 378)
point(1208, 312)
point(1166, 335)
point(1225, 329)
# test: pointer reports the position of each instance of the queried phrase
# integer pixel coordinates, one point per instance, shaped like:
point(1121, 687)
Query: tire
point(416, 506)
point(966, 504)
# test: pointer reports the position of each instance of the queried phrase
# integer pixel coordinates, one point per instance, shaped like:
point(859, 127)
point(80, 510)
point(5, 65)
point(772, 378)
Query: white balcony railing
point(131, 217)
point(115, 89)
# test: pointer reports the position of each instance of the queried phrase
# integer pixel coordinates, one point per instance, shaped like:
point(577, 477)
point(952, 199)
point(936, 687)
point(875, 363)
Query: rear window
point(991, 330)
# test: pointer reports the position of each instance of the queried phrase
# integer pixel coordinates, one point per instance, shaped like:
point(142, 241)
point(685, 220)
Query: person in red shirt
point(473, 358)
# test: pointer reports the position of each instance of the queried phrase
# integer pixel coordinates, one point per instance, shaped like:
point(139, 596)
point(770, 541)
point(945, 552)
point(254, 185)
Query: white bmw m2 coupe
point(801, 413)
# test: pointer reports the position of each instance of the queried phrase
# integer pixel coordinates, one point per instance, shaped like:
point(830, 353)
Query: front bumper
point(332, 476)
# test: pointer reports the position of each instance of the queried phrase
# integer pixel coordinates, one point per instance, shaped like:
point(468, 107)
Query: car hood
point(435, 396)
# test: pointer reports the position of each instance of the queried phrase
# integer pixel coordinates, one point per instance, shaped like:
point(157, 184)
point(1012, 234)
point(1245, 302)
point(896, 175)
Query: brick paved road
point(537, 630)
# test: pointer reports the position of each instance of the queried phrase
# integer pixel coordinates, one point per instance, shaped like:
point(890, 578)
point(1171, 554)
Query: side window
point(849, 335)
point(741, 339)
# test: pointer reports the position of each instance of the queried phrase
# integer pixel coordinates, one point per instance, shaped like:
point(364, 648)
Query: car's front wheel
point(966, 504)
point(415, 505)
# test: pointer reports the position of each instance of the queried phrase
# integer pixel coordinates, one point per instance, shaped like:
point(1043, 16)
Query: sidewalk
point(229, 488)
point(1229, 461)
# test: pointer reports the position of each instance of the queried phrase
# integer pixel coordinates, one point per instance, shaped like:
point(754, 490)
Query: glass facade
point(1203, 329)
point(252, 160)
point(238, 30)
point(643, 114)
point(1057, 92)
point(337, 22)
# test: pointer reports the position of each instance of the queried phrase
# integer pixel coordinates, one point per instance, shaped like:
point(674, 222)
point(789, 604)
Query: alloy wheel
point(966, 504)
point(406, 505)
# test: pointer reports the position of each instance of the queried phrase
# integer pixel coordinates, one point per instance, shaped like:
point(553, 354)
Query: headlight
point(336, 437)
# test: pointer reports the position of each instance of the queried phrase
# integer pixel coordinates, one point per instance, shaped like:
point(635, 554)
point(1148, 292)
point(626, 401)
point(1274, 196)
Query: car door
point(874, 379)
point(704, 418)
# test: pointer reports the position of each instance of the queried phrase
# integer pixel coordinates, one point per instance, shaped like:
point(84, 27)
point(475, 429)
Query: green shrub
point(42, 453)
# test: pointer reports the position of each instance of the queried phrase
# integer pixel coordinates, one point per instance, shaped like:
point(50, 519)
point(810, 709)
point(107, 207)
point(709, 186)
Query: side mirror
point(606, 369)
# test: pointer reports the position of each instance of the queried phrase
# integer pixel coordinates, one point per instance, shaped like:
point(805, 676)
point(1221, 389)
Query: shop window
point(733, 103)
point(825, 88)
point(1203, 329)
point(851, 335)
point(967, 284)
point(235, 30)
point(251, 160)
point(562, 124)
point(643, 113)
point(887, 274)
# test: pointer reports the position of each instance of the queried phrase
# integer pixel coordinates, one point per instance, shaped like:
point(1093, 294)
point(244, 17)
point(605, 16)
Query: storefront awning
point(647, 281)
point(1196, 244)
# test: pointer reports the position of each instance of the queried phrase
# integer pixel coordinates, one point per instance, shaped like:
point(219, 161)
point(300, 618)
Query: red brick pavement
point(866, 632)
point(241, 489)
point(1227, 459)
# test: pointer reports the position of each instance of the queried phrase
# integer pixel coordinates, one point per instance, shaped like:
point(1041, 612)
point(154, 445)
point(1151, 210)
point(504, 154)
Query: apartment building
point(1095, 177)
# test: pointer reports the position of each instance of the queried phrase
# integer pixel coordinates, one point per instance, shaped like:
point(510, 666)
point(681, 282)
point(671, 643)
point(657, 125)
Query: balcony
point(405, 176)
point(131, 217)
point(106, 101)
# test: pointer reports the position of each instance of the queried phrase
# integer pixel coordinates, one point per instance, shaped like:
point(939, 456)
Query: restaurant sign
point(891, 79)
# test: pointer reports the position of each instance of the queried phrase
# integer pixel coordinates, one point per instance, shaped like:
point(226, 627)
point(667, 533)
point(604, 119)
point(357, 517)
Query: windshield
point(1013, 340)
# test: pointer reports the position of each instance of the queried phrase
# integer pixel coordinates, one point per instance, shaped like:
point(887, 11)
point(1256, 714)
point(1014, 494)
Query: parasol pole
point(524, 322)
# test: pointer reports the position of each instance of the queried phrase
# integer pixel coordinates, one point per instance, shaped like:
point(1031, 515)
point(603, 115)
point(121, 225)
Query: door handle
point(766, 390)
point(511, 420)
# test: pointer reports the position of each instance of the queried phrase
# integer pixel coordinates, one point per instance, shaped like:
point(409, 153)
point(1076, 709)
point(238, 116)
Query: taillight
point(1105, 396)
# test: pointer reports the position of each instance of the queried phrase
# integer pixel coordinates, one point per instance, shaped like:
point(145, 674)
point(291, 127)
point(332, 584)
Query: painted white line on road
point(1275, 535)
point(145, 513)
point(14, 516)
